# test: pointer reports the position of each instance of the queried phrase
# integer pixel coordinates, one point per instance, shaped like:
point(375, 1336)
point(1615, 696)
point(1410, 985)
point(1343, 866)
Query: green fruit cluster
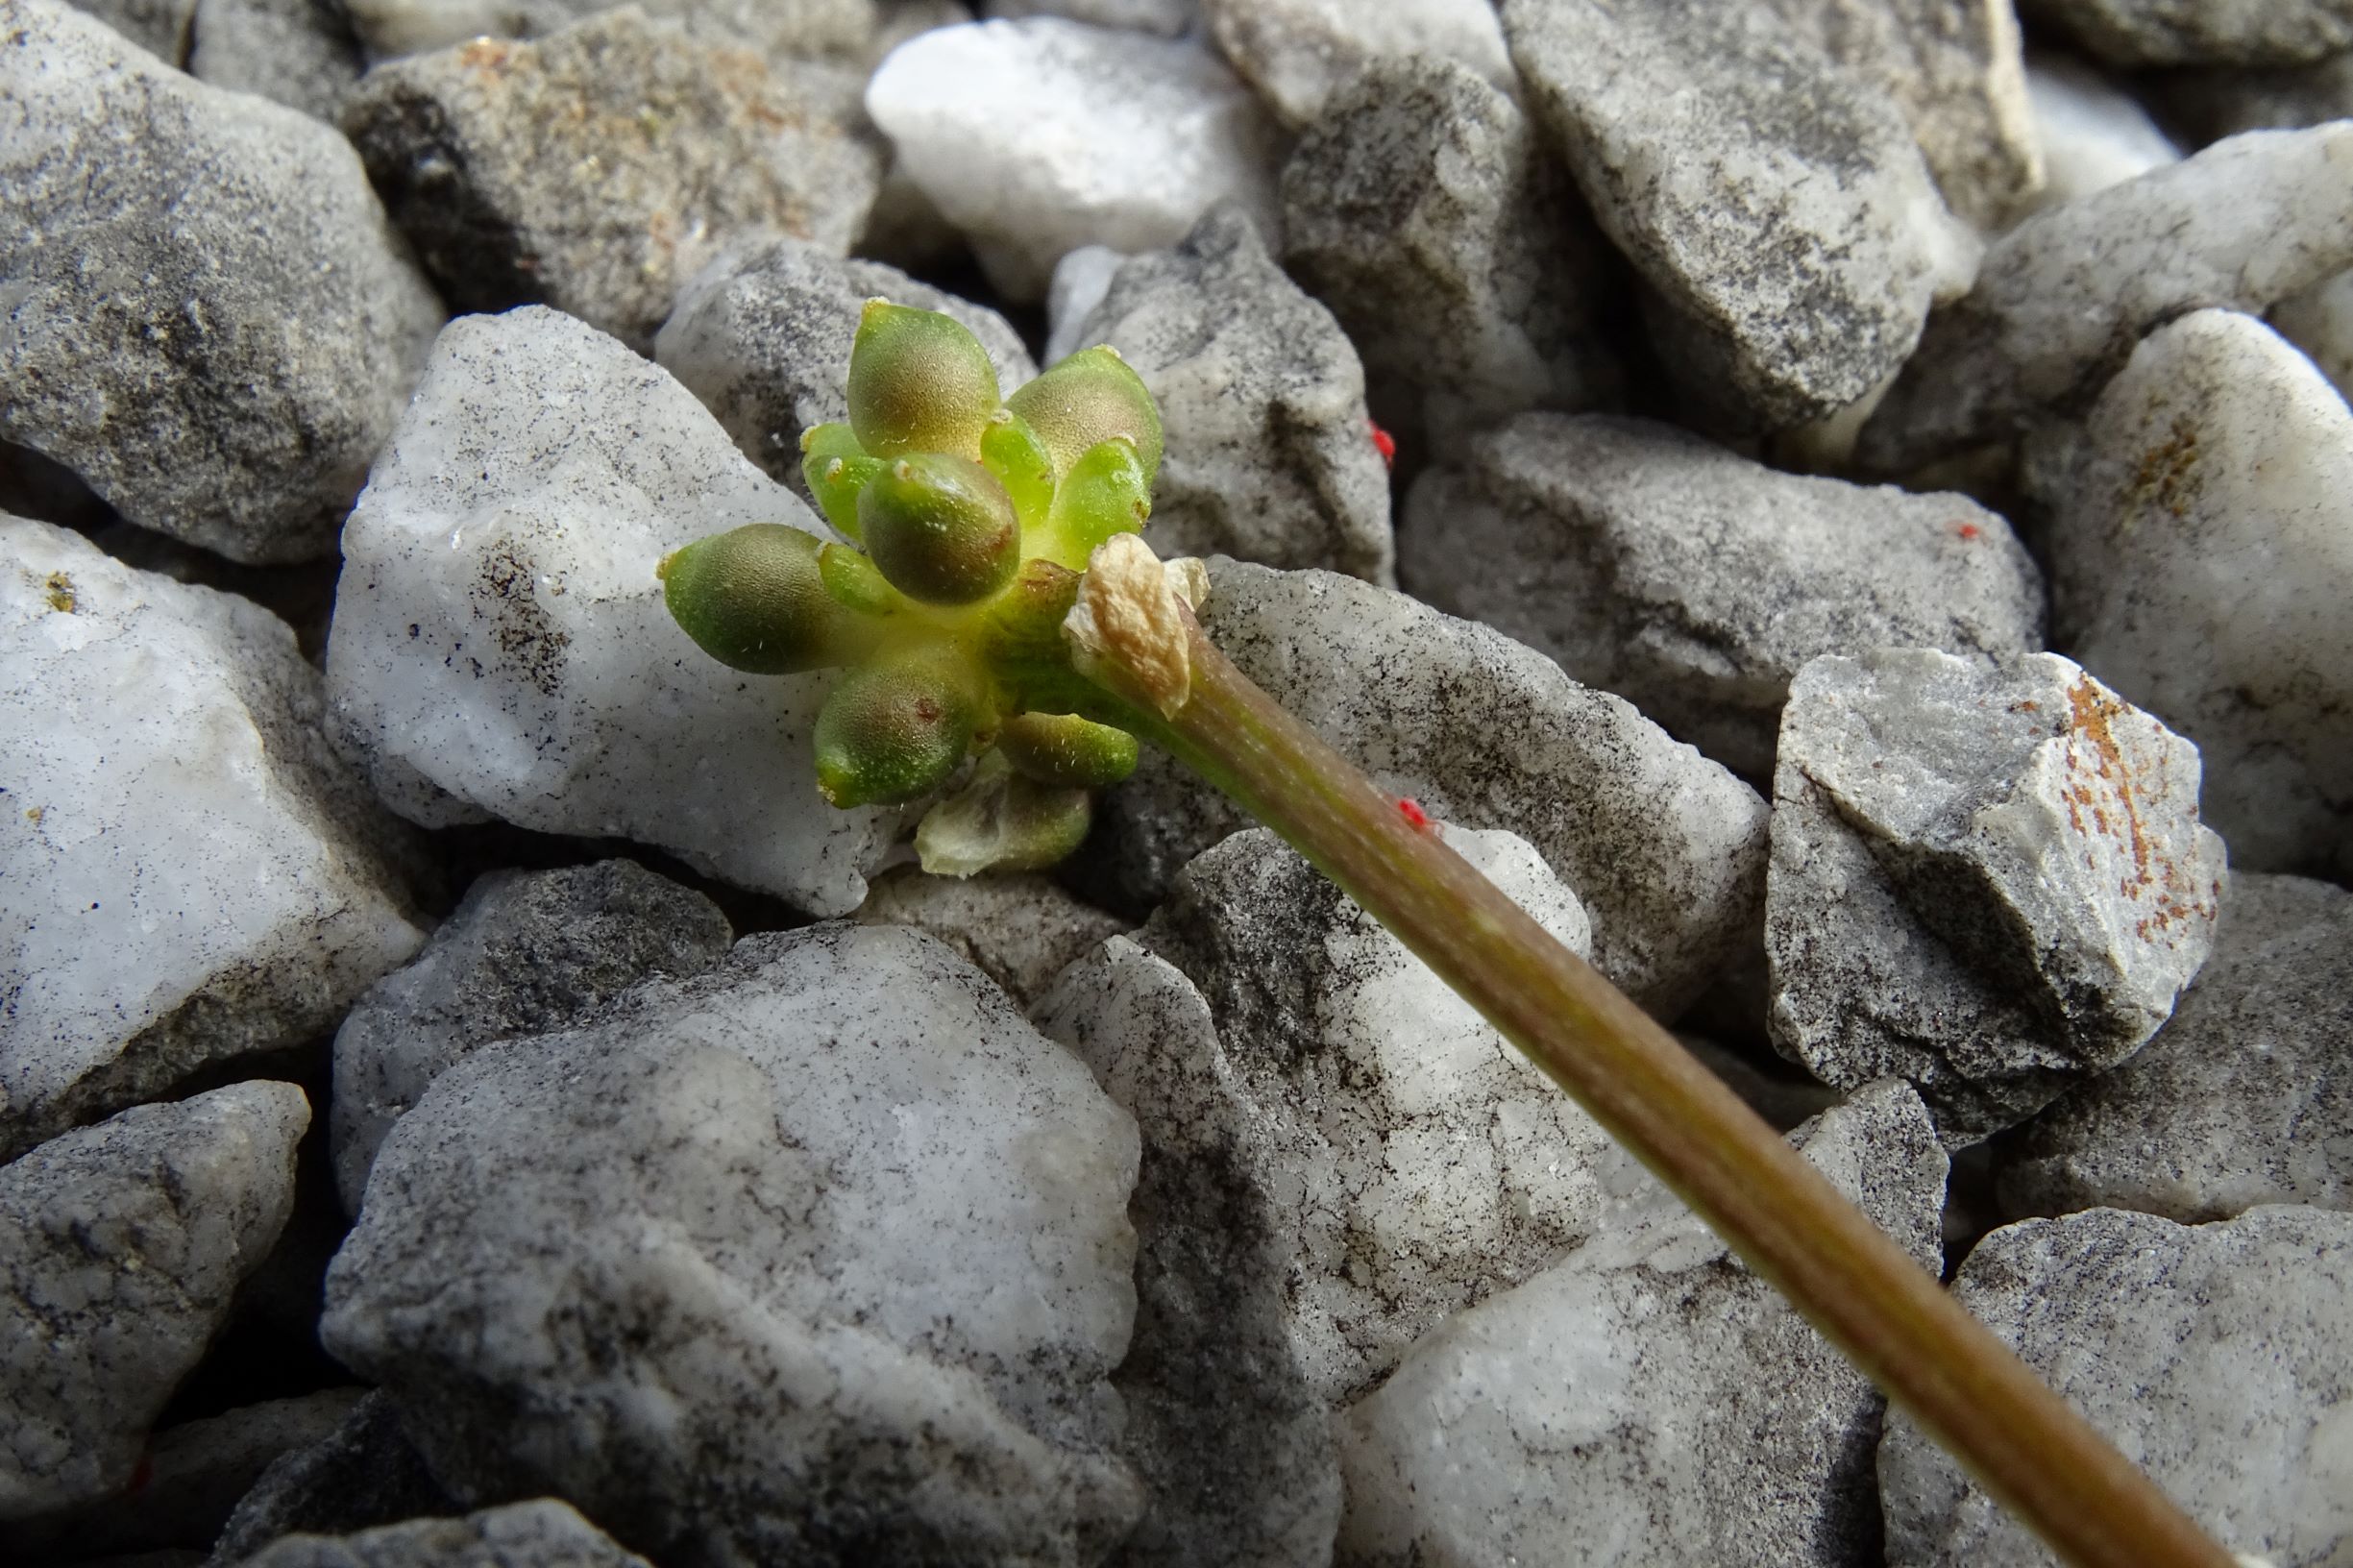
point(969, 517)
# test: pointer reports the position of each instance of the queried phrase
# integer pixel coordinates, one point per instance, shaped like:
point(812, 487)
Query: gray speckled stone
point(2244, 1097)
point(299, 53)
point(1664, 848)
point(163, 772)
point(209, 320)
point(2219, 1358)
point(527, 953)
point(1694, 582)
point(363, 1473)
point(2202, 552)
point(480, 151)
point(1021, 929)
point(807, 29)
point(546, 1534)
point(1300, 54)
point(1269, 453)
point(2142, 33)
point(1337, 1153)
point(762, 337)
point(1991, 881)
point(820, 1256)
point(499, 640)
point(1647, 1400)
point(161, 27)
point(2062, 298)
point(1422, 210)
point(1776, 204)
point(121, 1246)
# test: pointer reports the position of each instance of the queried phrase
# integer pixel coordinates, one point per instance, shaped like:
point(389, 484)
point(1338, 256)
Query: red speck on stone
point(1410, 810)
point(1384, 444)
point(1967, 530)
point(141, 1476)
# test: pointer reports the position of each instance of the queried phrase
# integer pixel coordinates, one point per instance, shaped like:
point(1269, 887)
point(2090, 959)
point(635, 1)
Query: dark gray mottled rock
point(2219, 1356)
point(165, 773)
point(2201, 552)
point(1647, 1400)
point(1298, 54)
point(2244, 1097)
point(802, 29)
point(1664, 848)
point(1021, 929)
point(1695, 583)
point(1421, 208)
point(363, 1473)
point(527, 953)
point(2142, 33)
point(299, 53)
point(2210, 105)
point(1269, 454)
point(481, 151)
point(1777, 205)
point(820, 1256)
point(1338, 1152)
point(1991, 881)
point(762, 337)
point(210, 321)
point(546, 1534)
point(120, 1248)
point(2062, 298)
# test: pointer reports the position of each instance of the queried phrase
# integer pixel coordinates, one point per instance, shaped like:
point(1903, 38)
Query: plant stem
point(1865, 1295)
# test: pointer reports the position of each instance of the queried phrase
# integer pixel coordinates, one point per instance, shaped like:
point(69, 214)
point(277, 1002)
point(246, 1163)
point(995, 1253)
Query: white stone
point(2217, 1357)
point(1647, 1400)
point(1081, 278)
point(499, 638)
point(824, 1252)
point(1037, 136)
point(187, 873)
point(2202, 560)
point(2093, 134)
point(121, 1246)
point(1299, 53)
point(1019, 928)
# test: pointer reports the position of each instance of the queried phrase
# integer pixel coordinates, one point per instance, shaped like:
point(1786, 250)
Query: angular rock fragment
point(2218, 1355)
point(527, 953)
point(821, 1255)
point(1991, 882)
point(1776, 206)
point(121, 1246)
point(1020, 929)
point(763, 338)
point(363, 1473)
point(1664, 848)
point(299, 53)
point(1299, 54)
point(1467, 272)
point(545, 1533)
point(1037, 136)
point(163, 772)
point(1338, 1152)
point(1269, 454)
point(803, 29)
point(2144, 32)
point(210, 321)
point(2093, 134)
point(2061, 300)
point(481, 151)
point(2201, 562)
point(500, 642)
point(1611, 1409)
point(2244, 1098)
point(1695, 583)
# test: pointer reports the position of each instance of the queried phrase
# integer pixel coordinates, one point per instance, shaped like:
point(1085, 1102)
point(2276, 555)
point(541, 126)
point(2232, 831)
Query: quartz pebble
point(2246, 1097)
point(1664, 848)
point(209, 320)
point(1694, 582)
point(479, 150)
point(2093, 134)
point(121, 1246)
point(1269, 453)
point(2218, 1356)
point(762, 337)
point(1298, 54)
point(1991, 881)
point(1777, 207)
point(2201, 555)
point(1020, 929)
point(1037, 136)
point(500, 642)
point(163, 772)
point(1647, 1399)
point(822, 1255)
point(545, 1533)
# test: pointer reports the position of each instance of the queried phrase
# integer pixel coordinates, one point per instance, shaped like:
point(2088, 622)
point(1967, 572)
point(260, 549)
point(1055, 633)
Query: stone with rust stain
point(1991, 881)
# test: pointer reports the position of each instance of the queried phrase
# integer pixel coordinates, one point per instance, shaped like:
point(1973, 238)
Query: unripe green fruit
point(918, 381)
point(852, 583)
point(1066, 752)
point(1106, 492)
point(893, 731)
point(751, 597)
point(836, 469)
point(1011, 451)
point(1086, 399)
point(941, 530)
